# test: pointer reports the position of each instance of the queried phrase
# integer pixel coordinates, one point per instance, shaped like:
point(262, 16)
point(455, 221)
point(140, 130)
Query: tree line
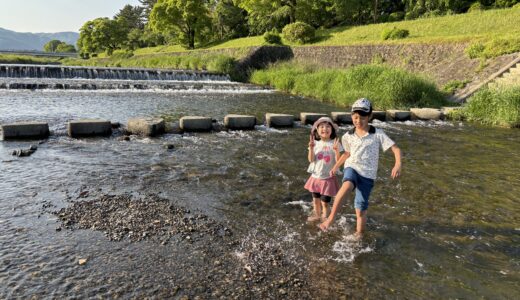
point(198, 23)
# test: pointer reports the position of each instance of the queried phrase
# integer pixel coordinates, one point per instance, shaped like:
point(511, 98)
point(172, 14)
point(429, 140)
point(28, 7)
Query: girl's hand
point(311, 141)
point(335, 146)
point(332, 172)
point(396, 172)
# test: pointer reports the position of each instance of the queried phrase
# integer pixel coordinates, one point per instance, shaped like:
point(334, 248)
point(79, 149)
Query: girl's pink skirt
point(326, 187)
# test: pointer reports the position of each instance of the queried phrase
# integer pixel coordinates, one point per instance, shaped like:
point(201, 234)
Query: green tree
point(266, 15)
point(51, 45)
point(98, 35)
point(229, 20)
point(187, 19)
point(65, 48)
point(147, 6)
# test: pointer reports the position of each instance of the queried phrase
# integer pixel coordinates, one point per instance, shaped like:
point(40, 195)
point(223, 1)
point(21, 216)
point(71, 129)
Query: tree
point(229, 20)
point(130, 17)
point(51, 45)
point(65, 48)
point(187, 19)
point(147, 6)
point(98, 35)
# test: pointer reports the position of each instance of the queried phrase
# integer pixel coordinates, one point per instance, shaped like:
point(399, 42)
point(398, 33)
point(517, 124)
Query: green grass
point(26, 59)
point(494, 107)
point(387, 87)
point(483, 26)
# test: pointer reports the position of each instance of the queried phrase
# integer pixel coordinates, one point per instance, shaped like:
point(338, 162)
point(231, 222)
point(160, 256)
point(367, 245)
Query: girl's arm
point(310, 155)
point(396, 171)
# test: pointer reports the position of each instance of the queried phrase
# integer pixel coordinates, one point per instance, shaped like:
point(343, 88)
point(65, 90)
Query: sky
point(55, 15)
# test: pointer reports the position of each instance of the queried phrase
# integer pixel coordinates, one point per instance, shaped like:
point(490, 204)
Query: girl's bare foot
point(358, 236)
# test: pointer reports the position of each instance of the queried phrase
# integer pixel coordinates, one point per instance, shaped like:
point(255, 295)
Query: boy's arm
point(396, 171)
point(340, 161)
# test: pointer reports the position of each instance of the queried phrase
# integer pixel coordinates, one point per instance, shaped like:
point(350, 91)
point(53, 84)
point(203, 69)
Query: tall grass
point(27, 59)
point(387, 87)
point(495, 107)
point(211, 62)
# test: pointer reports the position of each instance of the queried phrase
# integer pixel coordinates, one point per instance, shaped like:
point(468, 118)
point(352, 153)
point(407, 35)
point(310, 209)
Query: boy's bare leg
point(343, 192)
point(324, 210)
point(316, 203)
point(361, 222)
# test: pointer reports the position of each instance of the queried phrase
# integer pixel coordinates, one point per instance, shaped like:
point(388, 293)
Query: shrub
point(495, 107)
point(299, 32)
point(396, 16)
point(272, 37)
point(475, 50)
point(453, 85)
point(222, 64)
point(477, 6)
point(394, 34)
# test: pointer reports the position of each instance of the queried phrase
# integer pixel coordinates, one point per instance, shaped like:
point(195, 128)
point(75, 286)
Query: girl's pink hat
point(323, 120)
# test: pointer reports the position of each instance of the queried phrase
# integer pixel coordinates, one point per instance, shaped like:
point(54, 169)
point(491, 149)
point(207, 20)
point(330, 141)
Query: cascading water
point(34, 77)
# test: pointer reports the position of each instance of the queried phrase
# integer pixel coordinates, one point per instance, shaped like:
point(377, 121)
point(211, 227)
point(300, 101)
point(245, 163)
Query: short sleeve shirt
point(364, 151)
point(324, 158)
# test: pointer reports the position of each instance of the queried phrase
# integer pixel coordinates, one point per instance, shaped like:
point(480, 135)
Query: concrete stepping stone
point(239, 122)
point(341, 117)
point(89, 127)
point(279, 120)
point(310, 118)
point(379, 115)
point(146, 126)
point(426, 114)
point(24, 130)
point(398, 115)
point(195, 123)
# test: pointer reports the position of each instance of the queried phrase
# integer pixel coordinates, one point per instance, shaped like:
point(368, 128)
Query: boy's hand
point(311, 141)
point(396, 171)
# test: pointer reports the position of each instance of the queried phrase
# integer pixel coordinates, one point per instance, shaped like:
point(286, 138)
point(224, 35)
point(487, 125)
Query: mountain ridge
point(12, 40)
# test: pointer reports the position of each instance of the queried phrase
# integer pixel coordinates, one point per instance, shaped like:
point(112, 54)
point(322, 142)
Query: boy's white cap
point(323, 120)
point(363, 105)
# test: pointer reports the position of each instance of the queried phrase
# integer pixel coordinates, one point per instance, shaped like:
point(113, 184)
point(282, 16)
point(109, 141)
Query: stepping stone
point(240, 122)
point(89, 127)
point(310, 118)
point(341, 117)
point(397, 115)
point(24, 130)
point(146, 126)
point(379, 115)
point(196, 123)
point(426, 114)
point(279, 120)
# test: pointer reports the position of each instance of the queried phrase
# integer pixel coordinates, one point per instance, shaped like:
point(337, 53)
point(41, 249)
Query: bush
point(272, 37)
point(454, 85)
point(475, 50)
point(394, 34)
point(387, 87)
point(299, 32)
point(222, 64)
point(495, 107)
point(396, 16)
point(477, 6)
point(493, 48)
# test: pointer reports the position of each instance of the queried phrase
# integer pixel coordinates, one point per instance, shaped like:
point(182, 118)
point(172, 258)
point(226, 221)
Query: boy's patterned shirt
point(364, 151)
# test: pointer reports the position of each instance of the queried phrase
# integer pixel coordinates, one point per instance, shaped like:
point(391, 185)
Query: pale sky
point(55, 15)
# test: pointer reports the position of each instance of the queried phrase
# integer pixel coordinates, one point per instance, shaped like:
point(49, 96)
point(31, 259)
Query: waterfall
point(71, 72)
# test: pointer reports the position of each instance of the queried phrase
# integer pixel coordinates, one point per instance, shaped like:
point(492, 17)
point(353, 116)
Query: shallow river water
point(448, 228)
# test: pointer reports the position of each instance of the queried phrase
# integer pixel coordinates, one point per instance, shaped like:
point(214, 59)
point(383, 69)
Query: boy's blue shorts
point(362, 185)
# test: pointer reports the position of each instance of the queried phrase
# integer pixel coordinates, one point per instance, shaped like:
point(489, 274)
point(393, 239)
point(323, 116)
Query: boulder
point(341, 117)
point(397, 115)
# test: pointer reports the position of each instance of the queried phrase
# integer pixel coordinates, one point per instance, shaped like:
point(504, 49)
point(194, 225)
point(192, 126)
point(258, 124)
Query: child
point(324, 151)
point(361, 158)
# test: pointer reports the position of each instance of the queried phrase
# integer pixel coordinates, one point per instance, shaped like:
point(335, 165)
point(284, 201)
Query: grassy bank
point(26, 59)
point(388, 88)
point(210, 62)
point(494, 107)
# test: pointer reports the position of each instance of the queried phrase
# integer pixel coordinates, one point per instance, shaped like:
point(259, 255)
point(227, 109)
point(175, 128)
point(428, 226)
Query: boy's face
point(360, 121)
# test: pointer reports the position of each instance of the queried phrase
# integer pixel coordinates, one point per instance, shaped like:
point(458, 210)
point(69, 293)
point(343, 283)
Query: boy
point(361, 158)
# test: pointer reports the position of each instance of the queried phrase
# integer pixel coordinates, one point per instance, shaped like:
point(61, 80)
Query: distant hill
point(12, 40)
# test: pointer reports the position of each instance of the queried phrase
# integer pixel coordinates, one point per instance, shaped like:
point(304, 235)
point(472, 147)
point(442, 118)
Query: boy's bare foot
point(325, 225)
point(313, 218)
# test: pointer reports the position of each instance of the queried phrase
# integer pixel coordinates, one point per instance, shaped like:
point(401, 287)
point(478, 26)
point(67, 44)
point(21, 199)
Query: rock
point(169, 146)
point(82, 261)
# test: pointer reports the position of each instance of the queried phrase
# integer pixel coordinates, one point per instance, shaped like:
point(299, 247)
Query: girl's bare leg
point(324, 210)
point(316, 203)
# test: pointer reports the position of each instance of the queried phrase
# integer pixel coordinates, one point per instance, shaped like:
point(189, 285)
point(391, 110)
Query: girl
point(324, 151)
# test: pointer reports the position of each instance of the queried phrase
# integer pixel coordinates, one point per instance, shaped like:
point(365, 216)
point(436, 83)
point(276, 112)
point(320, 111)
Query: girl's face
point(359, 121)
point(324, 130)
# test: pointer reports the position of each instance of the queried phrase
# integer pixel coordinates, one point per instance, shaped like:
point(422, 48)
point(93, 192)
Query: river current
point(448, 228)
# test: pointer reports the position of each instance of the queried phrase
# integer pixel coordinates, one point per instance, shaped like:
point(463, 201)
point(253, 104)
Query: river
point(448, 228)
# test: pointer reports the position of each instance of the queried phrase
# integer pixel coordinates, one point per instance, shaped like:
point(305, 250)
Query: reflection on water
point(449, 228)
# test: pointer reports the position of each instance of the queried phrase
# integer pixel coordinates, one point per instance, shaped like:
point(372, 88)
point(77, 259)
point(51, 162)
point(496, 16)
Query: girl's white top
point(324, 159)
